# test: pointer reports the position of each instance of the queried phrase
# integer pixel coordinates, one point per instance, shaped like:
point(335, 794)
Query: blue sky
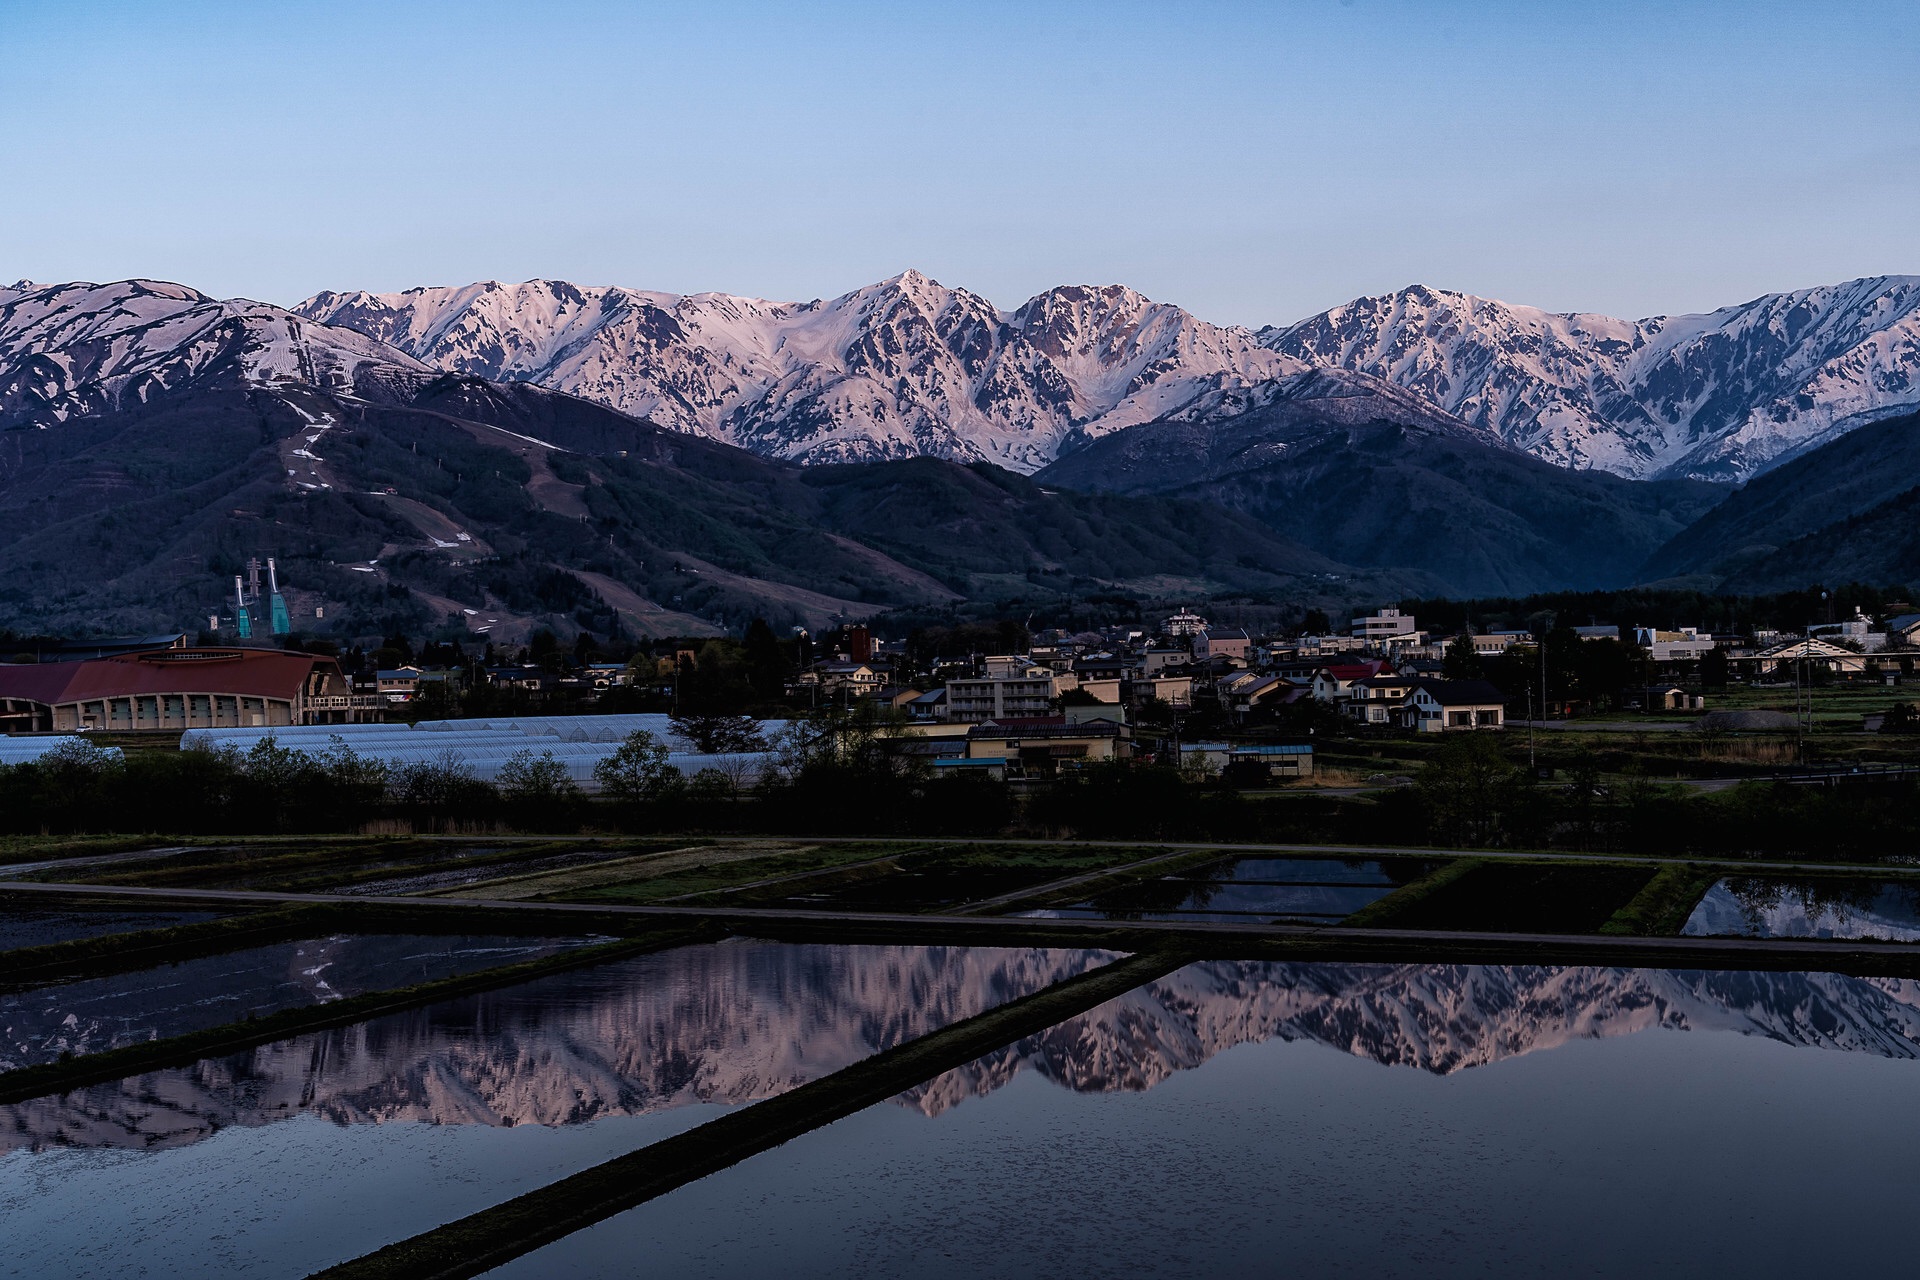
point(1252, 162)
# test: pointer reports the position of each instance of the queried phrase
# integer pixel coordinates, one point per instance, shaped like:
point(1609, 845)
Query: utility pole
point(1532, 768)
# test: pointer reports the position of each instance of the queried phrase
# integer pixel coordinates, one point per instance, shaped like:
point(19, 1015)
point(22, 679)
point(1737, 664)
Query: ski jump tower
point(279, 622)
point(241, 622)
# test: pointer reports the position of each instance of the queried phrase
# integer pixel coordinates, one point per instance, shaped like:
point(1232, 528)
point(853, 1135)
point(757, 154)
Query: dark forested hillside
point(1449, 502)
point(1848, 511)
point(419, 502)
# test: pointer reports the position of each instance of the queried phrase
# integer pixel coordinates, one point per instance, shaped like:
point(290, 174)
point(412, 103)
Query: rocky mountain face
point(909, 366)
point(903, 368)
point(1721, 396)
point(151, 439)
point(72, 350)
point(548, 455)
point(746, 1020)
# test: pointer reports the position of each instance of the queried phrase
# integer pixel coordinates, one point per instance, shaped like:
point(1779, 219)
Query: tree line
point(842, 775)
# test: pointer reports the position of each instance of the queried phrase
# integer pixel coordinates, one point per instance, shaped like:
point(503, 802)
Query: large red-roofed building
point(180, 689)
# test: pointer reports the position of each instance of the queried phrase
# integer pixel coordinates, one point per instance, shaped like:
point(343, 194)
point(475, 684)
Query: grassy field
point(1507, 897)
point(901, 876)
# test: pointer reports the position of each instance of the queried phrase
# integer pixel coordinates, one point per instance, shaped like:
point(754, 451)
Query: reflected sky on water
point(1827, 907)
point(302, 1153)
point(1247, 1119)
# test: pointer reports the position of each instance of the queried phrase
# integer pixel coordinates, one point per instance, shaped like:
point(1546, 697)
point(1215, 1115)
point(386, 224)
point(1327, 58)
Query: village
point(989, 700)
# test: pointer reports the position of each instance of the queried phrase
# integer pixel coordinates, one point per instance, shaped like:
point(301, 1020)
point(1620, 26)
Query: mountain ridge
point(909, 365)
point(153, 439)
point(1723, 395)
point(900, 368)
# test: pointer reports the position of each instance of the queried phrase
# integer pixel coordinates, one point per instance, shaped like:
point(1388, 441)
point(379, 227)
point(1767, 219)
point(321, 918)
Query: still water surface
point(38, 926)
point(1304, 890)
point(40, 1024)
point(1252, 1119)
point(1826, 907)
point(307, 1152)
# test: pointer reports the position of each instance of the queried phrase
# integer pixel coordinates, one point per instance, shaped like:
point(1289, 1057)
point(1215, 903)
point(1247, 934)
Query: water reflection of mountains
point(743, 1021)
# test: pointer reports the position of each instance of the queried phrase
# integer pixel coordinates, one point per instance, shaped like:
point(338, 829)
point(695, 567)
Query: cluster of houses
point(1080, 697)
point(402, 684)
point(1070, 699)
point(1187, 664)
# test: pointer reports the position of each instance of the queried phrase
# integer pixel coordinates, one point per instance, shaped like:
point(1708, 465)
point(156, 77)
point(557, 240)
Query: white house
point(1446, 706)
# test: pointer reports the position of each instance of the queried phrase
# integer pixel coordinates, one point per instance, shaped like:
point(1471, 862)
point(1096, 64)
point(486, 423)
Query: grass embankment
point(738, 873)
point(234, 1037)
point(1383, 912)
point(906, 876)
point(1661, 908)
point(14, 849)
point(214, 864)
point(1145, 861)
point(251, 863)
point(1521, 897)
point(934, 879)
point(482, 1241)
point(143, 948)
point(503, 862)
point(735, 867)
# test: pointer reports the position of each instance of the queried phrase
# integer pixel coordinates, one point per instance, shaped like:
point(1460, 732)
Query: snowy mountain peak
point(73, 349)
point(1721, 395)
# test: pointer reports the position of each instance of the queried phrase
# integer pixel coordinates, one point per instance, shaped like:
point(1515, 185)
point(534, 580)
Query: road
point(1604, 726)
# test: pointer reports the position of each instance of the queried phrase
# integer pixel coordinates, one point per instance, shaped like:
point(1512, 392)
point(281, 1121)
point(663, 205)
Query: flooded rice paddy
point(1760, 907)
point(1252, 890)
point(316, 1149)
point(1234, 1117)
point(1267, 1119)
point(34, 926)
point(40, 1024)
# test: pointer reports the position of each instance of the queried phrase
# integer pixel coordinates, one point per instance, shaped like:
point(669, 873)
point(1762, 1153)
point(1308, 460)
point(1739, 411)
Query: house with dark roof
point(1904, 629)
point(1331, 683)
point(1036, 746)
point(1380, 699)
point(1449, 706)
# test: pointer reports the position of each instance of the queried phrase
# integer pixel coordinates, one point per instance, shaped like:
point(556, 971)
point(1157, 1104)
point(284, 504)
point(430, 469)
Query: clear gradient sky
point(1252, 162)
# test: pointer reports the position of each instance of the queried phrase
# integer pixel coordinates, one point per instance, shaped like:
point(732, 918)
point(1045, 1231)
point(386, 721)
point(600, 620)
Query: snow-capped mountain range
point(909, 366)
point(898, 369)
point(746, 1020)
point(1718, 396)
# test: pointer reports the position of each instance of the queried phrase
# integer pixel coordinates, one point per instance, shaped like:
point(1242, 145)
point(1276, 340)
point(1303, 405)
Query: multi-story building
point(1388, 624)
point(1184, 623)
point(1491, 644)
point(1684, 645)
point(1028, 693)
point(1218, 642)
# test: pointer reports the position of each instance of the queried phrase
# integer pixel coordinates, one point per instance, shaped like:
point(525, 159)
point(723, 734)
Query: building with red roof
point(181, 689)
